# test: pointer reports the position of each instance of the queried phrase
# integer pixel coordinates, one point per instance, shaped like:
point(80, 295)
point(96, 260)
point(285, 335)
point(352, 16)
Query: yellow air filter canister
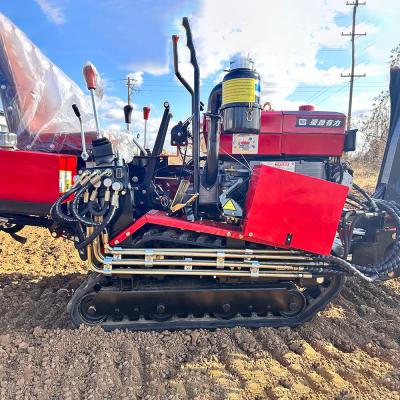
point(241, 99)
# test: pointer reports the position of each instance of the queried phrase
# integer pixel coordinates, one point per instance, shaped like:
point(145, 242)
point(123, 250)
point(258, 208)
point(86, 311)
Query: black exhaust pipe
point(195, 113)
point(214, 103)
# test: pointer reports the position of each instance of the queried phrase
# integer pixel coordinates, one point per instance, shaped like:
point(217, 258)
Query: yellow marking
point(229, 206)
point(65, 181)
point(239, 90)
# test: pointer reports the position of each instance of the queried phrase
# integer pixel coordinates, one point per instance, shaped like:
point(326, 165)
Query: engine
point(241, 134)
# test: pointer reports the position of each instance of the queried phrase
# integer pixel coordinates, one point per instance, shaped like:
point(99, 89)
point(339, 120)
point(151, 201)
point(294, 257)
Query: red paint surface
point(279, 135)
point(312, 144)
point(161, 218)
point(306, 107)
point(28, 176)
point(281, 202)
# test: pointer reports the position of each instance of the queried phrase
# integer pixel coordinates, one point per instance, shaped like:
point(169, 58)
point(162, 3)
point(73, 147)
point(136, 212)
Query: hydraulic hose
point(75, 208)
point(95, 209)
point(390, 263)
point(367, 196)
point(56, 212)
point(79, 214)
point(99, 229)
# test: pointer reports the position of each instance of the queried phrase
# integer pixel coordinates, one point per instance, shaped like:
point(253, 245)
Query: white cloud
point(149, 68)
point(283, 38)
point(137, 77)
point(53, 13)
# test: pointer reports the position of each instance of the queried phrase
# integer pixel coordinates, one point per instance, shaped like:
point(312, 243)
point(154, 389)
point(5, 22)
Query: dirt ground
point(349, 351)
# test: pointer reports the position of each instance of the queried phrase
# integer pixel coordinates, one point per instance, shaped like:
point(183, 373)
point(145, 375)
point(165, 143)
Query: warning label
point(286, 165)
point(229, 206)
point(244, 144)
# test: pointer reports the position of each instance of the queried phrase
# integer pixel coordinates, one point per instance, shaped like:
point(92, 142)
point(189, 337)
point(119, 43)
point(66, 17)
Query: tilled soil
point(349, 351)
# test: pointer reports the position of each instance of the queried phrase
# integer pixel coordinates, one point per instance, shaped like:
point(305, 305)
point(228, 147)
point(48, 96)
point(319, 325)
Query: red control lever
point(90, 75)
point(146, 113)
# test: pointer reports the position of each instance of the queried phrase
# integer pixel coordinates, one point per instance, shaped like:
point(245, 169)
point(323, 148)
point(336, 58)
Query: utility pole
point(131, 86)
point(352, 75)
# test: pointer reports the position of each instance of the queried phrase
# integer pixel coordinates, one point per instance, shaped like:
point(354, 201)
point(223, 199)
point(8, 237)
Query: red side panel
point(33, 177)
point(313, 133)
point(161, 218)
point(312, 144)
point(295, 133)
point(293, 210)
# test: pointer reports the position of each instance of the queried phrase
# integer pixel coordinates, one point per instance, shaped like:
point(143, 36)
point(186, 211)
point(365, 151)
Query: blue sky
point(296, 45)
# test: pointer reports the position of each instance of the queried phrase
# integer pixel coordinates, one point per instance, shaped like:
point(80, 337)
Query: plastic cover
point(37, 99)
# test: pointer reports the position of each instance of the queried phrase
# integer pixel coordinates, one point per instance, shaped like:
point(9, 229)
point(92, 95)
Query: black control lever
point(76, 111)
point(84, 154)
point(128, 114)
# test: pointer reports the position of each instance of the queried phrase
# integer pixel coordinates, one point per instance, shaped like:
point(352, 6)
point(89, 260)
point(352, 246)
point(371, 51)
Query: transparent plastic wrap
point(37, 99)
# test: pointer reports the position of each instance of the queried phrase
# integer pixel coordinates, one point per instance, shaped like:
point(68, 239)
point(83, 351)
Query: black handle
point(128, 113)
point(189, 41)
point(175, 39)
point(76, 111)
point(195, 112)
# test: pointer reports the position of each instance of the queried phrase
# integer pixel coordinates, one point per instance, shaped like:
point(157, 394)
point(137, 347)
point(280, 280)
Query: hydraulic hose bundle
point(88, 213)
point(391, 262)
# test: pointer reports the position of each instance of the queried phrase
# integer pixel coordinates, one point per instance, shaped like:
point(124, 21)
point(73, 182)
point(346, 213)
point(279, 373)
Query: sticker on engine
point(229, 206)
point(309, 122)
point(285, 165)
point(64, 181)
point(245, 144)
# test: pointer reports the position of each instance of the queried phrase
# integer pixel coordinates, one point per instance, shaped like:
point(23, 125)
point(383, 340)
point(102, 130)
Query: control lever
point(90, 75)
point(84, 154)
point(128, 113)
point(146, 113)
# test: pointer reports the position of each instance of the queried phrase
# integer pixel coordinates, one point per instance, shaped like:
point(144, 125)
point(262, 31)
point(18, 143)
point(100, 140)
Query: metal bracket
point(220, 259)
point(107, 266)
point(255, 269)
point(188, 267)
point(148, 257)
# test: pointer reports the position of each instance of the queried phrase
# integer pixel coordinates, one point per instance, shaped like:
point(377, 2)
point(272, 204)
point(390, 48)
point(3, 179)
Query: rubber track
point(318, 296)
point(178, 238)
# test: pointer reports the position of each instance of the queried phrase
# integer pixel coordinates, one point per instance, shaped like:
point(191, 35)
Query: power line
point(352, 75)
point(331, 94)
